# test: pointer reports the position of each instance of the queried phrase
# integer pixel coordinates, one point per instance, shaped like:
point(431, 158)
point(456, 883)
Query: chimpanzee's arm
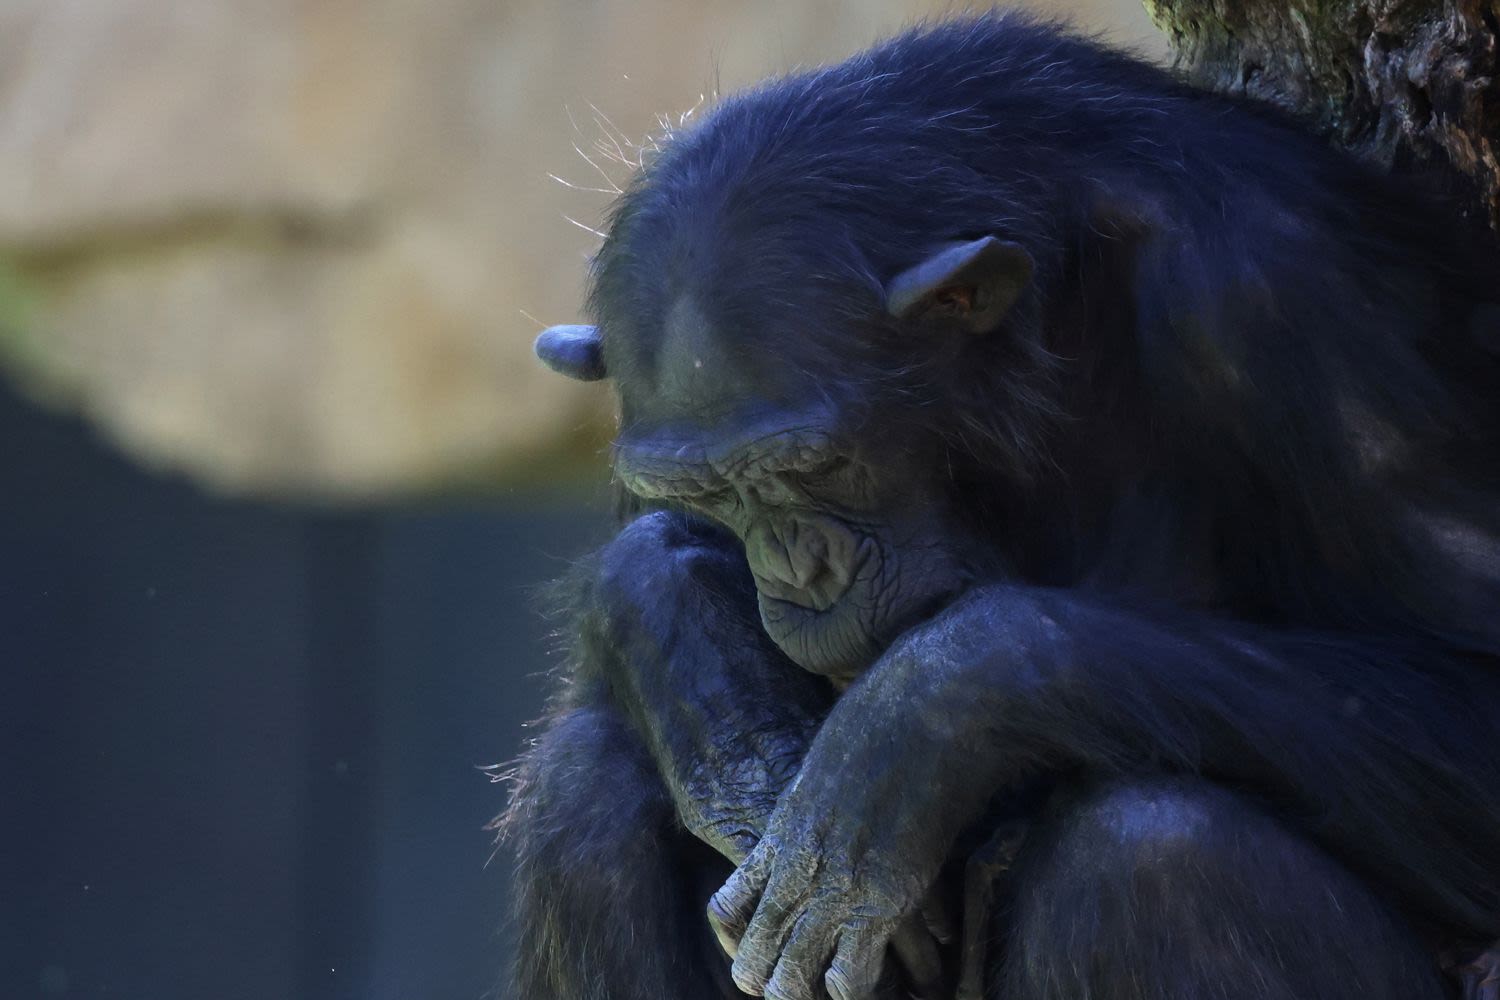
point(726, 716)
point(1387, 752)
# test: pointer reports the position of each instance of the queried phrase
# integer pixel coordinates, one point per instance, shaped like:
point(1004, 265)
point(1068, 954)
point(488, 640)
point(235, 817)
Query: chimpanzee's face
point(747, 395)
point(840, 513)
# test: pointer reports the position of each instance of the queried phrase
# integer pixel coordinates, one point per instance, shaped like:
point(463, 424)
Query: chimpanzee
point(1048, 486)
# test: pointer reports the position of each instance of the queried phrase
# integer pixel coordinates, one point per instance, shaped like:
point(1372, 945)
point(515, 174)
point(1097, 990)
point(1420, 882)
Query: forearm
point(1019, 682)
point(727, 723)
point(724, 715)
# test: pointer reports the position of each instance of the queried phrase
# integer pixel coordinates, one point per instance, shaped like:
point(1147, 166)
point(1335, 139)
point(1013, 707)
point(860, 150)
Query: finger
point(728, 937)
point(799, 973)
point(937, 918)
point(919, 955)
point(732, 907)
point(1488, 987)
point(855, 970)
point(761, 945)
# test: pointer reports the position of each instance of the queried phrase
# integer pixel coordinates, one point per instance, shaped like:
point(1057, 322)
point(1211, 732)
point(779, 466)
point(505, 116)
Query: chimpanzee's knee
point(1174, 888)
point(609, 891)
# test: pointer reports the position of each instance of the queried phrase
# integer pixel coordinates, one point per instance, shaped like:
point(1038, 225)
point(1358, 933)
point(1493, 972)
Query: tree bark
point(1410, 85)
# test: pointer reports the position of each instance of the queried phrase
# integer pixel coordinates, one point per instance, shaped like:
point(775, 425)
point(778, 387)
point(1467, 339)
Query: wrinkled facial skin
point(847, 550)
point(759, 389)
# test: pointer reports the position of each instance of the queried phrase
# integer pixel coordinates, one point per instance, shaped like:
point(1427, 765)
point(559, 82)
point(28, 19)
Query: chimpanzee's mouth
point(837, 621)
point(818, 601)
point(807, 561)
point(835, 642)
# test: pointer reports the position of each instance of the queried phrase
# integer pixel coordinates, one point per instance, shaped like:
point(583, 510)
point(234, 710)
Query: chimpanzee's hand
point(726, 715)
point(847, 858)
point(904, 762)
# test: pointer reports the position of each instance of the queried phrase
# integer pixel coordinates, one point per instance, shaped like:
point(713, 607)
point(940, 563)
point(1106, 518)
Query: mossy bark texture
point(1411, 85)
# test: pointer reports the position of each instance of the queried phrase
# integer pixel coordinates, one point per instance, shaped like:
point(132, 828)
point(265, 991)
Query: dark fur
point(1253, 392)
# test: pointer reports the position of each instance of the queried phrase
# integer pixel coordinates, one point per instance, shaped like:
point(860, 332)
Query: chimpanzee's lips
point(807, 561)
point(839, 638)
point(826, 628)
point(817, 592)
point(837, 643)
point(799, 597)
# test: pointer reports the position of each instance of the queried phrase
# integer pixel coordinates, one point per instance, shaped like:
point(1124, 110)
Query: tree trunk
point(1410, 85)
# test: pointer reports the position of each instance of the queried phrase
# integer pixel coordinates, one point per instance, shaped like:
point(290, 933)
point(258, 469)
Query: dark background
point(239, 742)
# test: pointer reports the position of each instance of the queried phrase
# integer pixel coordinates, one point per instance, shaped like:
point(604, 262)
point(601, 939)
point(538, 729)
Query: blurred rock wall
point(295, 246)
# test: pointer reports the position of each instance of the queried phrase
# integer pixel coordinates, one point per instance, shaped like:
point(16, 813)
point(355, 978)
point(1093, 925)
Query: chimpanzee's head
point(808, 352)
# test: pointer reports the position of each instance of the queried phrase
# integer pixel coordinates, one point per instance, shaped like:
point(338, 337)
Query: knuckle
point(749, 973)
point(843, 984)
point(800, 972)
point(654, 530)
point(655, 554)
point(729, 910)
point(789, 983)
point(801, 969)
point(640, 544)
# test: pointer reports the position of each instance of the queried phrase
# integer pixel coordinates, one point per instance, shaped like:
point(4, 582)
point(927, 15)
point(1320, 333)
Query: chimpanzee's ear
point(574, 351)
point(972, 285)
